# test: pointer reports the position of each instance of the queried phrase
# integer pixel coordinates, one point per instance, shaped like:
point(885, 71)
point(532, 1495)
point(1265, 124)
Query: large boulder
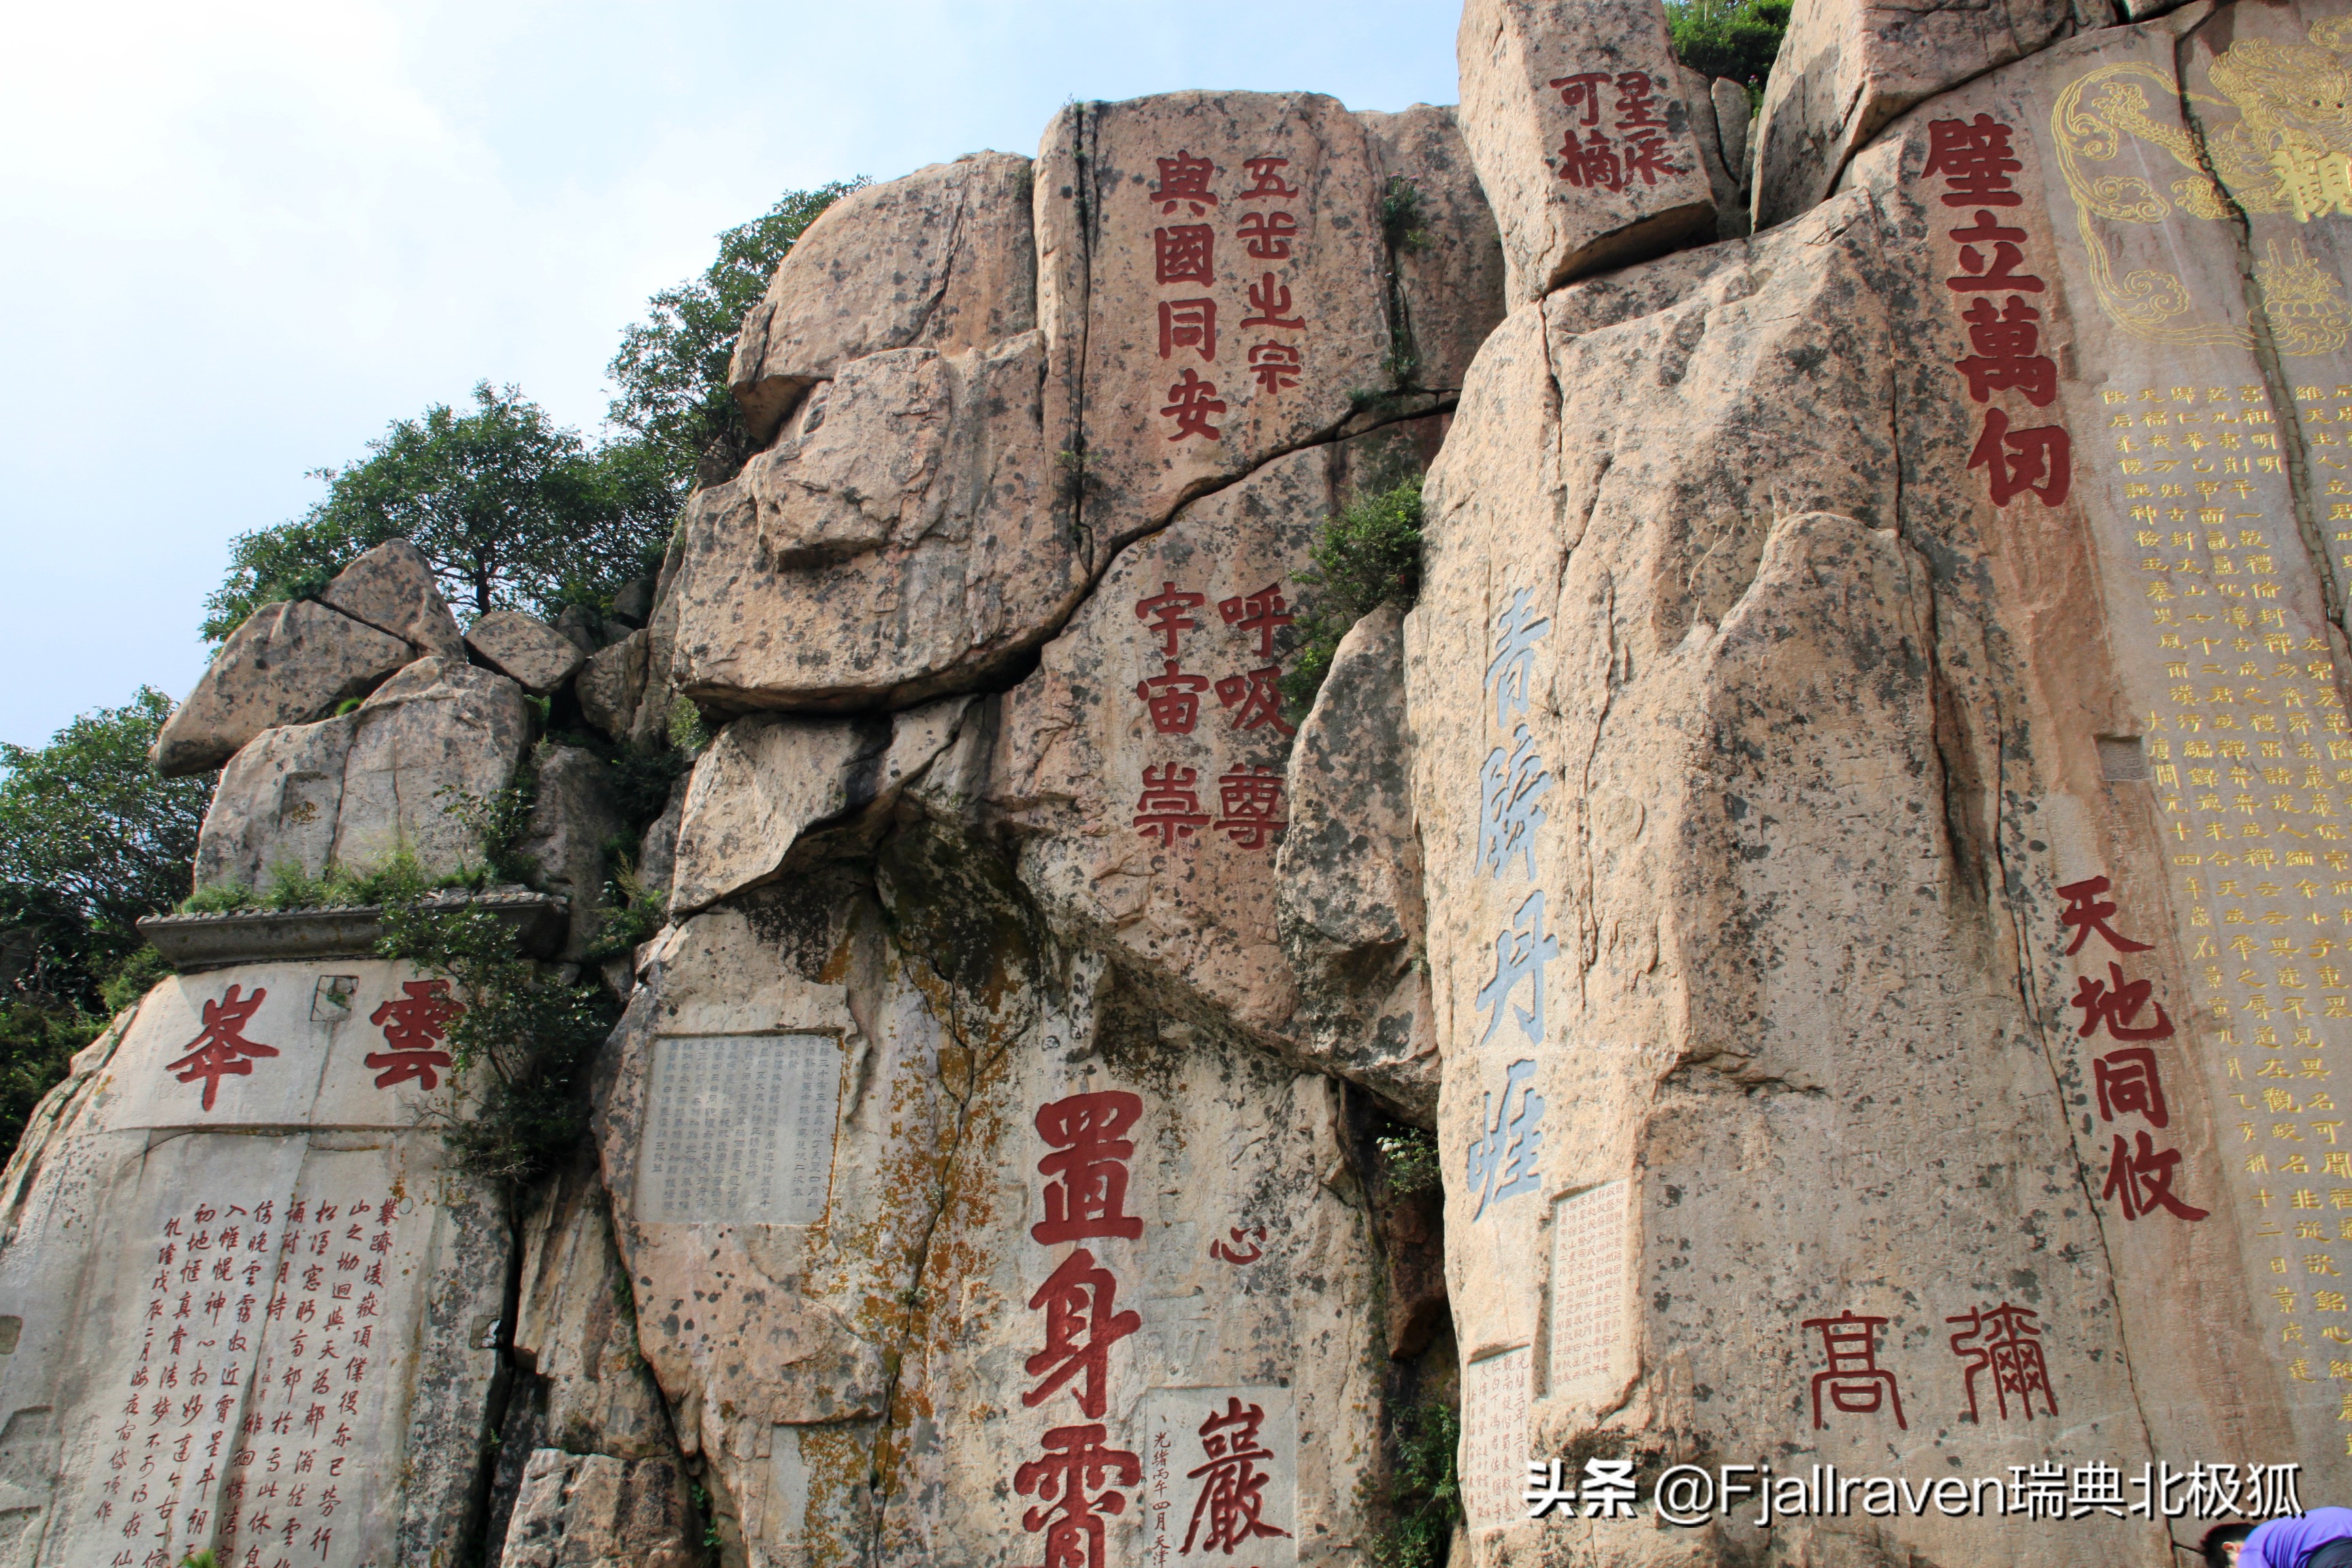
point(1585, 134)
point(354, 791)
point(1443, 251)
point(288, 664)
point(767, 779)
point(902, 539)
point(1347, 877)
point(392, 589)
point(1847, 67)
point(534, 654)
point(573, 816)
point(941, 260)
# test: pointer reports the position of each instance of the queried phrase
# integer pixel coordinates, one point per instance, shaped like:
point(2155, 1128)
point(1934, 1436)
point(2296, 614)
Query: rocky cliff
point(1817, 942)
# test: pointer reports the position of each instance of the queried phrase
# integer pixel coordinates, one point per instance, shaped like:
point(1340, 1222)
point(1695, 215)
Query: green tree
point(90, 839)
point(513, 511)
point(1734, 39)
point(672, 367)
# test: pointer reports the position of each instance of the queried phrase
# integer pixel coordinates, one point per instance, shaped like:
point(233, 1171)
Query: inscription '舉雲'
point(739, 1130)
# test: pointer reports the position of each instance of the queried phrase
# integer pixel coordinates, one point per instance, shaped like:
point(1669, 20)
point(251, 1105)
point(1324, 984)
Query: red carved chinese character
point(1173, 699)
point(1252, 801)
point(1185, 253)
point(1582, 91)
point(1263, 612)
point(1636, 102)
point(2010, 1348)
point(2128, 1082)
point(2115, 1002)
point(1240, 1237)
point(1081, 1326)
point(1645, 155)
point(1189, 324)
point(1191, 401)
point(1075, 1463)
point(1258, 694)
point(222, 1049)
point(2087, 911)
point(1268, 235)
point(1169, 808)
point(1269, 181)
point(1233, 1492)
point(1591, 163)
point(1276, 365)
point(1165, 611)
point(2142, 1179)
point(1185, 178)
point(1269, 299)
point(1088, 1195)
point(2040, 461)
point(1974, 161)
point(412, 1026)
point(1857, 1384)
point(2005, 341)
point(2006, 258)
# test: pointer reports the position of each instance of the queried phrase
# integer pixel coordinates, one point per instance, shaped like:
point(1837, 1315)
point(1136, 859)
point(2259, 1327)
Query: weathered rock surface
point(289, 664)
point(941, 260)
point(1583, 129)
point(767, 779)
point(902, 539)
point(1141, 768)
point(356, 790)
point(611, 684)
point(1347, 877)
point(1443, 249)
point(859, 1376)
point(573, 816)
point(590, 1511)
point(391, 588)
point(1849, 67)
point(525, 648)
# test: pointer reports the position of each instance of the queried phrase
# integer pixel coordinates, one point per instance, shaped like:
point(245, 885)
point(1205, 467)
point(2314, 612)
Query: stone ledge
point(190, 942)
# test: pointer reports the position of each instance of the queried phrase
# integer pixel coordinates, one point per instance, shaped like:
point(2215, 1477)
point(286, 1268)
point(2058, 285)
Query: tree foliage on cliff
point(516, 511)
point(1370, 553)
point(513, 511)
point(1734, 39)
point(90, 838)
point(672, 367)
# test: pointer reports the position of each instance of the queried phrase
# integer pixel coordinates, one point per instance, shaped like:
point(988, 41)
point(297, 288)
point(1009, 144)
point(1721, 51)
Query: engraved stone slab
point(1496, 1398)
point(1221, 1477)
point(1588, 1283)
point(740, 1129)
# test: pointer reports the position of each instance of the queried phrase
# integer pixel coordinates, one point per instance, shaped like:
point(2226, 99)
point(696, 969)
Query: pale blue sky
point(236, 240)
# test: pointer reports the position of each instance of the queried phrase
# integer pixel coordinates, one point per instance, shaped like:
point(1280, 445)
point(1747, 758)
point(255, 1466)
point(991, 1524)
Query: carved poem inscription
point(739, 1130)
point(1588, 1276)
point(1496, 1438)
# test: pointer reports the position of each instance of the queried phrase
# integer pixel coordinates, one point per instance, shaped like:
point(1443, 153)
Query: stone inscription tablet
point(1496, 1398)
point(1588, 1281)
point(739, 1130)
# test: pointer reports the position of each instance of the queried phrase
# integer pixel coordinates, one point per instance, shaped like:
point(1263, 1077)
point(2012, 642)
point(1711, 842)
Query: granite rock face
point(356, 790)
point(535, 655)
point(289, 664)
point(1587, 137)
point(1849, 67)
point(1808, 929)
point(391, 588)
point(941, 260)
